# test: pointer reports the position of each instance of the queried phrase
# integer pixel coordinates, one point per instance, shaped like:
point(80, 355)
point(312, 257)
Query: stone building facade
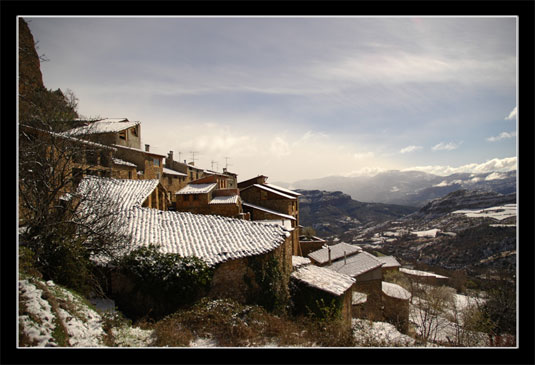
point(149, 165)
point(258, 193)
point(110, 131)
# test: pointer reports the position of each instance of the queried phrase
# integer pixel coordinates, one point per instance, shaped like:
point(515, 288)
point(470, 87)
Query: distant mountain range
point(331, 213)
point(409, 188)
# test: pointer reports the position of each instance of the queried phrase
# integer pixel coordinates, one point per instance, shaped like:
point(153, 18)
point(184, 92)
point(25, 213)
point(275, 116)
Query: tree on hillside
point(60, 236)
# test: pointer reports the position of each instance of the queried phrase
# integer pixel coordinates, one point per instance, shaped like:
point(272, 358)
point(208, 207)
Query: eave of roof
point(138, 150)
point(263, 187)
point(268, 211)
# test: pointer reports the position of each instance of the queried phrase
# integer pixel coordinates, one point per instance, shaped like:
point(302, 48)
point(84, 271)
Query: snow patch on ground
point(379, 334)
point(38, 323)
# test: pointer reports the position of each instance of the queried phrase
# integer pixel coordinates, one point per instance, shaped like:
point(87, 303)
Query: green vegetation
point(269, 288)
point(160, 282)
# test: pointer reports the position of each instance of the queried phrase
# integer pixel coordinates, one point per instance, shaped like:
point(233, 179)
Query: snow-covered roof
point(108, 125)
point(395, 291)
point(69, 138)
point(197, 189)
point(118, 161)
point(286, 216)
point(421, 273)
point(116, 193)
point(173, 172)
point(214, 239)
point(321, 256)
point(356, 265)
point(324, 279)
point(298, 261)
point(231, 199)
point(389, 261)
point(287, 191)
point(429, 233)
point(264, 187)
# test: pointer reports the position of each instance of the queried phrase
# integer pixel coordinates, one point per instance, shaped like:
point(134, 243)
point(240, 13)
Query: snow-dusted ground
point(379, 334)
point(499, 213)
point(83, 324)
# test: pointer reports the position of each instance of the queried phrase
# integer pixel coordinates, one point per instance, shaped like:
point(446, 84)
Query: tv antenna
point(226, 162)
point(215, 164)
point(193, 156)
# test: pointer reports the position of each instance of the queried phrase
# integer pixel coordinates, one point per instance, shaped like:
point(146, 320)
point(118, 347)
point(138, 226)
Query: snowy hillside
point(52, 316)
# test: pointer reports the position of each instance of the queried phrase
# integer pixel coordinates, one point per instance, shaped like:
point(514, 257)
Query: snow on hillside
point(46, 310)
point(499, 213)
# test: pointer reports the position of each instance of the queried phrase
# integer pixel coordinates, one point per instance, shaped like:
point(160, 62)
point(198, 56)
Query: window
point(195, 197)
point(156, 161)
point(169, 180)
point(134, 131)
point(122, 135)
point(130, 174)
point(185, 198)
point(105, 158)
point(91, 157)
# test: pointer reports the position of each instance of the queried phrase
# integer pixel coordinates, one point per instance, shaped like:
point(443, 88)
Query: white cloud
point(410, 149)
point(442, 146)
point(363, 156)
point(365, 171)
point(502, 135)
point(279, 147)
point(512, 115)
point(494, 165)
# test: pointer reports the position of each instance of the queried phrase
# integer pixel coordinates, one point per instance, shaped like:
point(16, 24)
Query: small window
point(130, 175)
point(156, 161)
point(169, 180)
point(122, 135)
point(185, 198)
point(195, 197)
point(134, 131)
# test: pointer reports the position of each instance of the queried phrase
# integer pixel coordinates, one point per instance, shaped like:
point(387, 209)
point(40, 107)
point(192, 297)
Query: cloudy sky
point(298, 97)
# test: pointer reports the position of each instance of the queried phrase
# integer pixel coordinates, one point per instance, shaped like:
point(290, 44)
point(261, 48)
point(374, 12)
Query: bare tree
point(63, 237)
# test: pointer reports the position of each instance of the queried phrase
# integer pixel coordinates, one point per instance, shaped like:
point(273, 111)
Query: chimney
point(147, 147)
point(345, 262)
point(329, 250)
point(170, 156)
point(225, 170)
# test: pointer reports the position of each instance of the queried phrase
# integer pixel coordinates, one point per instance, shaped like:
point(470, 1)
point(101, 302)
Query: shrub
point(162, 282)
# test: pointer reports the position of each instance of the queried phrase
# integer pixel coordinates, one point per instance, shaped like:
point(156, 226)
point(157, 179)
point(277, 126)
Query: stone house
point(173, 182)
point(318, 287)
point(360, 265)
point(327, 254)
point(424, 277)
point(366, 271)
point(395, 301)
point(310, 244)
point(110, 131)
point(390, 264)
point(124, 169)
point(258, 193)
point(229, 245)
point(204, 196)
point(123, 194)
point(149, 165)
point(192, 172)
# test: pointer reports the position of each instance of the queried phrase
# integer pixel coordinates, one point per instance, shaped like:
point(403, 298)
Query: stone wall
point(396, 311)
point(236, 278)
